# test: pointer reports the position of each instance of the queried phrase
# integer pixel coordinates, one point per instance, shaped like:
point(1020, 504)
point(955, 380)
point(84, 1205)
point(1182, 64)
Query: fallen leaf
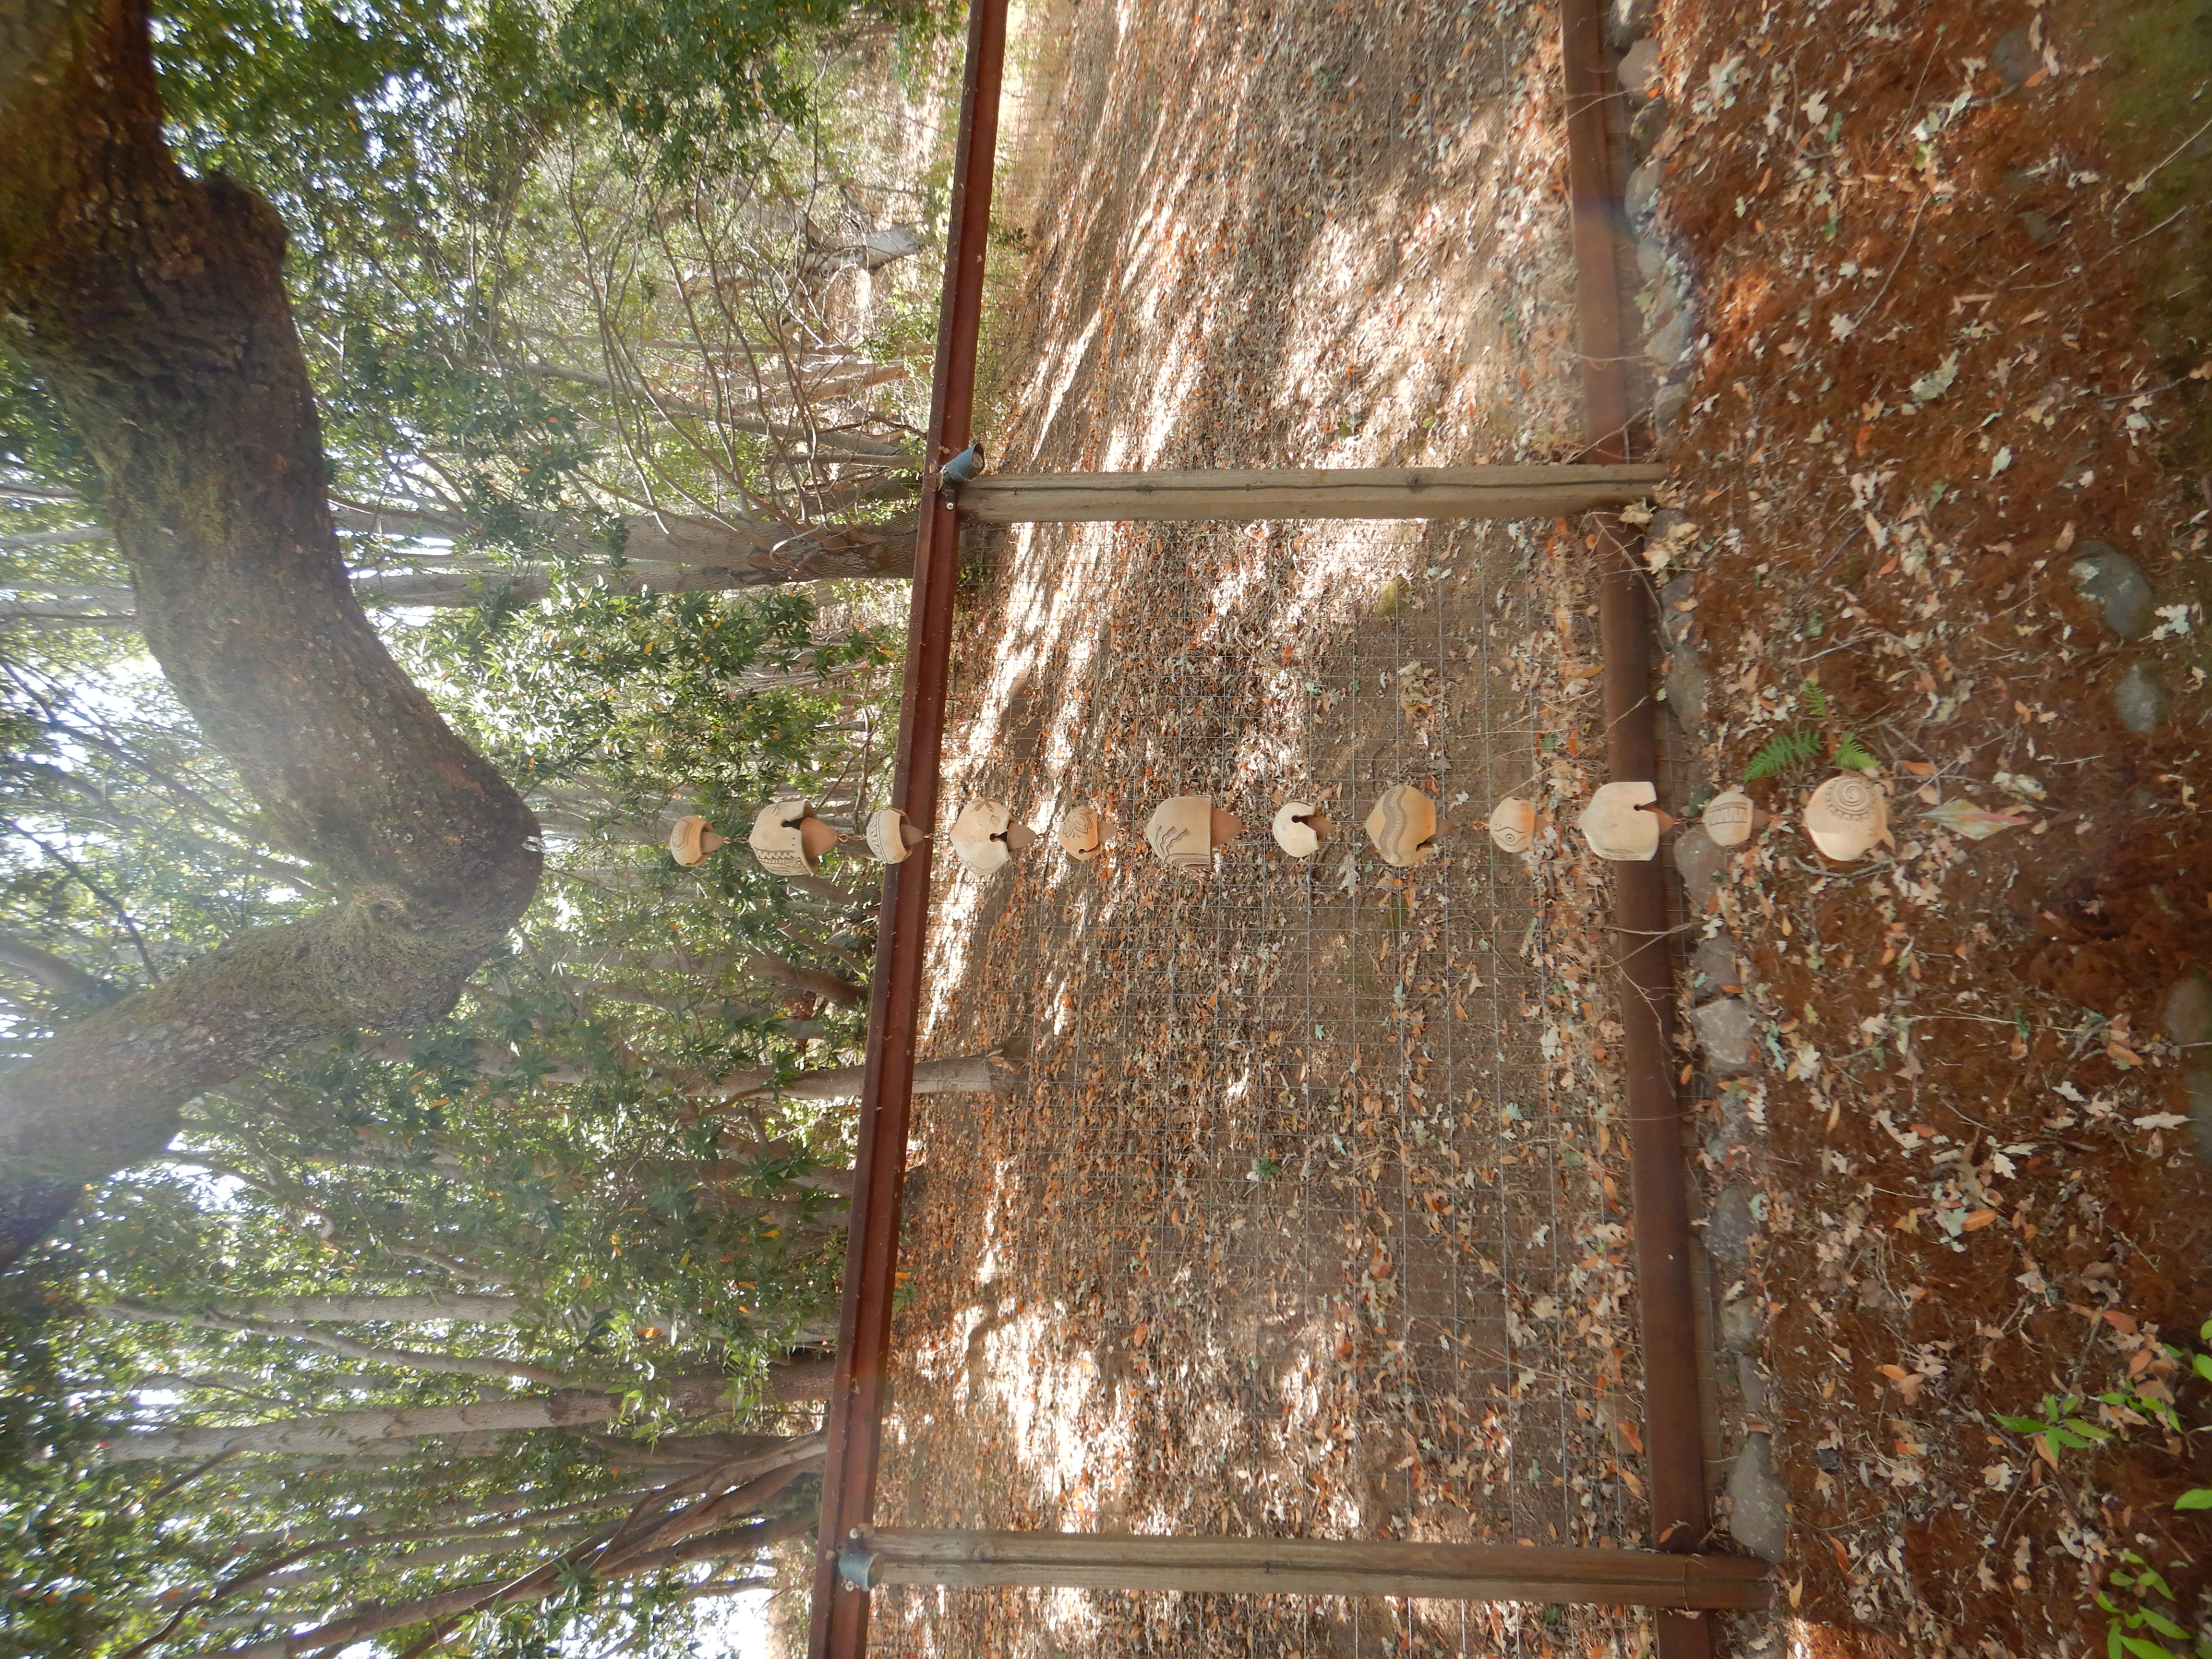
point(1962, 817)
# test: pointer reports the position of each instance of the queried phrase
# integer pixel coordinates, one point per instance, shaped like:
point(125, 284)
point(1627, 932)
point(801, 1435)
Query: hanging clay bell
point(1184, 830)
point(1403, 826)
point(1082, 833)
point(985, 836)
point(787, 839)
point(1513, 823)
point(1728, 818)
point(1617, 827)
point(1298, 829)
point(890, 837)
point(1847, 815)
point(693, 839)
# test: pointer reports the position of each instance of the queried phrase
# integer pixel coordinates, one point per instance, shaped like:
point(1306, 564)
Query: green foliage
point(2057, 1427)
point(2142, 1629)
point(2142, 1581)
point(698, 79)
point(1800, 745)
point(1781, 752)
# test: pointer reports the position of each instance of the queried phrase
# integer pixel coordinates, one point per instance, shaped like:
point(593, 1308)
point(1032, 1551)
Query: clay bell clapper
point(1623, 823)
point(890, 837)
point(985, 836)
point(1513, 824)
point(694, 841)
point(1082, 833)
point(1299, 828)
point(788, 840)
point(1847, 816)
point(1403, 826)
point(1184, 830)
point(1729, 818)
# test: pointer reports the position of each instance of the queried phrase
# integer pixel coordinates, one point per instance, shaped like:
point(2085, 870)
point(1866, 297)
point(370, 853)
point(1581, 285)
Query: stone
point(1727, 1228)
point(1713, 968)
point(1651, 258)
point(2197, 1096)
point(1667, 345)
point(1639, 68)
point(1739, 1325)
point(1702, 861)
point(2014, 57)
point(1687, 682)
point(1751, 1383)
point(1648, 125)
point(1724, 1029)
point(1627, 22)
point(1675, 624)
point(1641, 196)
point(1667, 406)
point(2109, 578)
point(2042, 229)
point(2139, 700)
point(2187, 1014)
point(1759, 1505)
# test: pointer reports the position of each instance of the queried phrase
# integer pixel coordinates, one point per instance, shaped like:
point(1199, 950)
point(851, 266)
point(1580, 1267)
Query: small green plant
point(2141, 1631)
point(2058, 1429)
point(1785, 751)
point(2142, 1579)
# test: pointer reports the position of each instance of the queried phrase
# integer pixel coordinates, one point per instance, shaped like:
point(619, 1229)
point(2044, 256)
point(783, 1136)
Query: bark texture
point(428, 1307)
point(151, 304)
point(338, 1433)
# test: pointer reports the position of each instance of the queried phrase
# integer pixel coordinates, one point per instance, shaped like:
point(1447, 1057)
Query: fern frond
point(1814, 701)
point(1782, 751)
point(1852, 754)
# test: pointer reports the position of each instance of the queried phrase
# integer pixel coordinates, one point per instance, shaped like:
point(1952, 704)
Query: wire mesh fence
point(1306, 1215)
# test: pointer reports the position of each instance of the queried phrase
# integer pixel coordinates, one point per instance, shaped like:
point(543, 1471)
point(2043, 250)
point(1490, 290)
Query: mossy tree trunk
point(152, 304)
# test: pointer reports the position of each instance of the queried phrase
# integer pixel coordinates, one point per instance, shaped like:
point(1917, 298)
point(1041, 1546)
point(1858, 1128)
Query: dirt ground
point(1926, 358)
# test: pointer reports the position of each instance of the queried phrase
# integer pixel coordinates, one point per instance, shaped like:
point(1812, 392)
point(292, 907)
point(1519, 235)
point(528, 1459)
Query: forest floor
point(1924, 326)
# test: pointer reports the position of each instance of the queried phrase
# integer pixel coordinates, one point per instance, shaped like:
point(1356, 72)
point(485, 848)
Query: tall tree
point(152, 305)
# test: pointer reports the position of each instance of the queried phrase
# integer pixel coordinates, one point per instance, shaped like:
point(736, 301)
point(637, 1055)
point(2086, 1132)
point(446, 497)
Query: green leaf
point(2149, 1576)
point(1781, 752)
point(2089, 1428)
point(2202, 1364)
point(2164, 1625)
point(1852, 754)
point(2022, 1425)
point(2143, 1650)
point(2197, 1498)
point(1815, 701)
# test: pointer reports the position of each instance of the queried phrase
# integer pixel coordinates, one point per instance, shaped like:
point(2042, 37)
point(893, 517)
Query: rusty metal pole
point(858, 1390)
point(1673, 1434)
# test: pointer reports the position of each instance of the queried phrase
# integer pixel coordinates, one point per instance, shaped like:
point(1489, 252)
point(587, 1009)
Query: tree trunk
point(800, 1382)
point(671, 1541)
point(679, 557)
point(362, 1622)
point(152, 306)
point(428, 1308)
point(967, 1074)
point(345, 1346)
point(338, 1433)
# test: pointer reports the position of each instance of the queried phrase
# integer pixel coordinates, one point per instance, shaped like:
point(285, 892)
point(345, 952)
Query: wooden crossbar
point(1308, 1566)
point(1421, 492)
